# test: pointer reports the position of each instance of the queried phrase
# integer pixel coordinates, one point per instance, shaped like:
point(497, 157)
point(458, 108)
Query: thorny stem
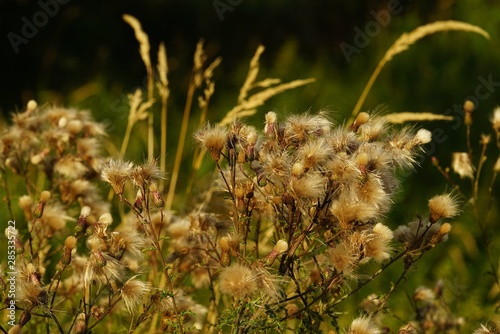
point(482, 226)
point(238, 320)
point(52, 316)
point(156, 243)
point(449, 179)
point(294, 247)
point(105, 313)
point(229, 189)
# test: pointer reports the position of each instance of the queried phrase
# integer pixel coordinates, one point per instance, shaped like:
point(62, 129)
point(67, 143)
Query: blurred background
point(82, 54)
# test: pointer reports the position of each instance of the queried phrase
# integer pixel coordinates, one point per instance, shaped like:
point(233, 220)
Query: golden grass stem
point(403, 43)
point(180, 146)
point(164, 94)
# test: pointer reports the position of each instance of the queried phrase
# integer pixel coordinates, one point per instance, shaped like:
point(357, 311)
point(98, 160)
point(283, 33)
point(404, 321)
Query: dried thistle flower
point(495, 120)
point(70, 166)
point(461, 164)
point(147, 173)
point(378, 247)
point(116, 173)
point(443, 206)
point(486, 329)
point(133, 292)
point(213, 139)
point(238, 281)
point(102, 268)
point(363, 325)
point(343, 259)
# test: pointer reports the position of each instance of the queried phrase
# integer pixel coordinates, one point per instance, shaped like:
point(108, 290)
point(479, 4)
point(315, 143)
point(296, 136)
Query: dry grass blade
point(164, 91)
point(248, 107)
point(407, 39)
point(144, 48)
point(141, 37)
point(402, 117)
point(138, 112)
point(404, 42)
point(252, 74)
point(162, 68)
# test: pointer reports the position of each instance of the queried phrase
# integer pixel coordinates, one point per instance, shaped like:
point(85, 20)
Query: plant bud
point(44, 197)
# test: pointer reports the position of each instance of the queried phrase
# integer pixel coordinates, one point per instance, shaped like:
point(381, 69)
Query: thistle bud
point(468, 108)
point(31, 106)
point(100, 259)
point(44, 197)
point(225, 259)
point(239, 191)
point(80, 324)
point(280, 247)
point(441, 234)
point(157, 198)
point(69, 245)
point(270, 128)
point(138, 202)
point(242, 157)
point(81, 224)
point(297, 169)
point(496, 167)
point(362, 118)
point(18, 246)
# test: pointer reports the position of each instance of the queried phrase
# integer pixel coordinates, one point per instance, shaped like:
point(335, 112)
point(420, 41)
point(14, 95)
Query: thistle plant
point(293, 224)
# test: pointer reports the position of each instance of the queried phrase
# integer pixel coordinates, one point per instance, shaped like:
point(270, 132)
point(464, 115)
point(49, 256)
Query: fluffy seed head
point(378, 247)
point(133, 292)
point(116, 172)
point(483, 329)
point(44, 196)
point(423, 136)
point(342, 259)
point(214, 139)
point(461, 164)
point(31, 106)
point(85, 211)
point(70, 167)
point(281, 246)
point(25, 202)
point(442, 206)
point(495, 119)
point(146, 173)
point(238, 281)
point(363, 325)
